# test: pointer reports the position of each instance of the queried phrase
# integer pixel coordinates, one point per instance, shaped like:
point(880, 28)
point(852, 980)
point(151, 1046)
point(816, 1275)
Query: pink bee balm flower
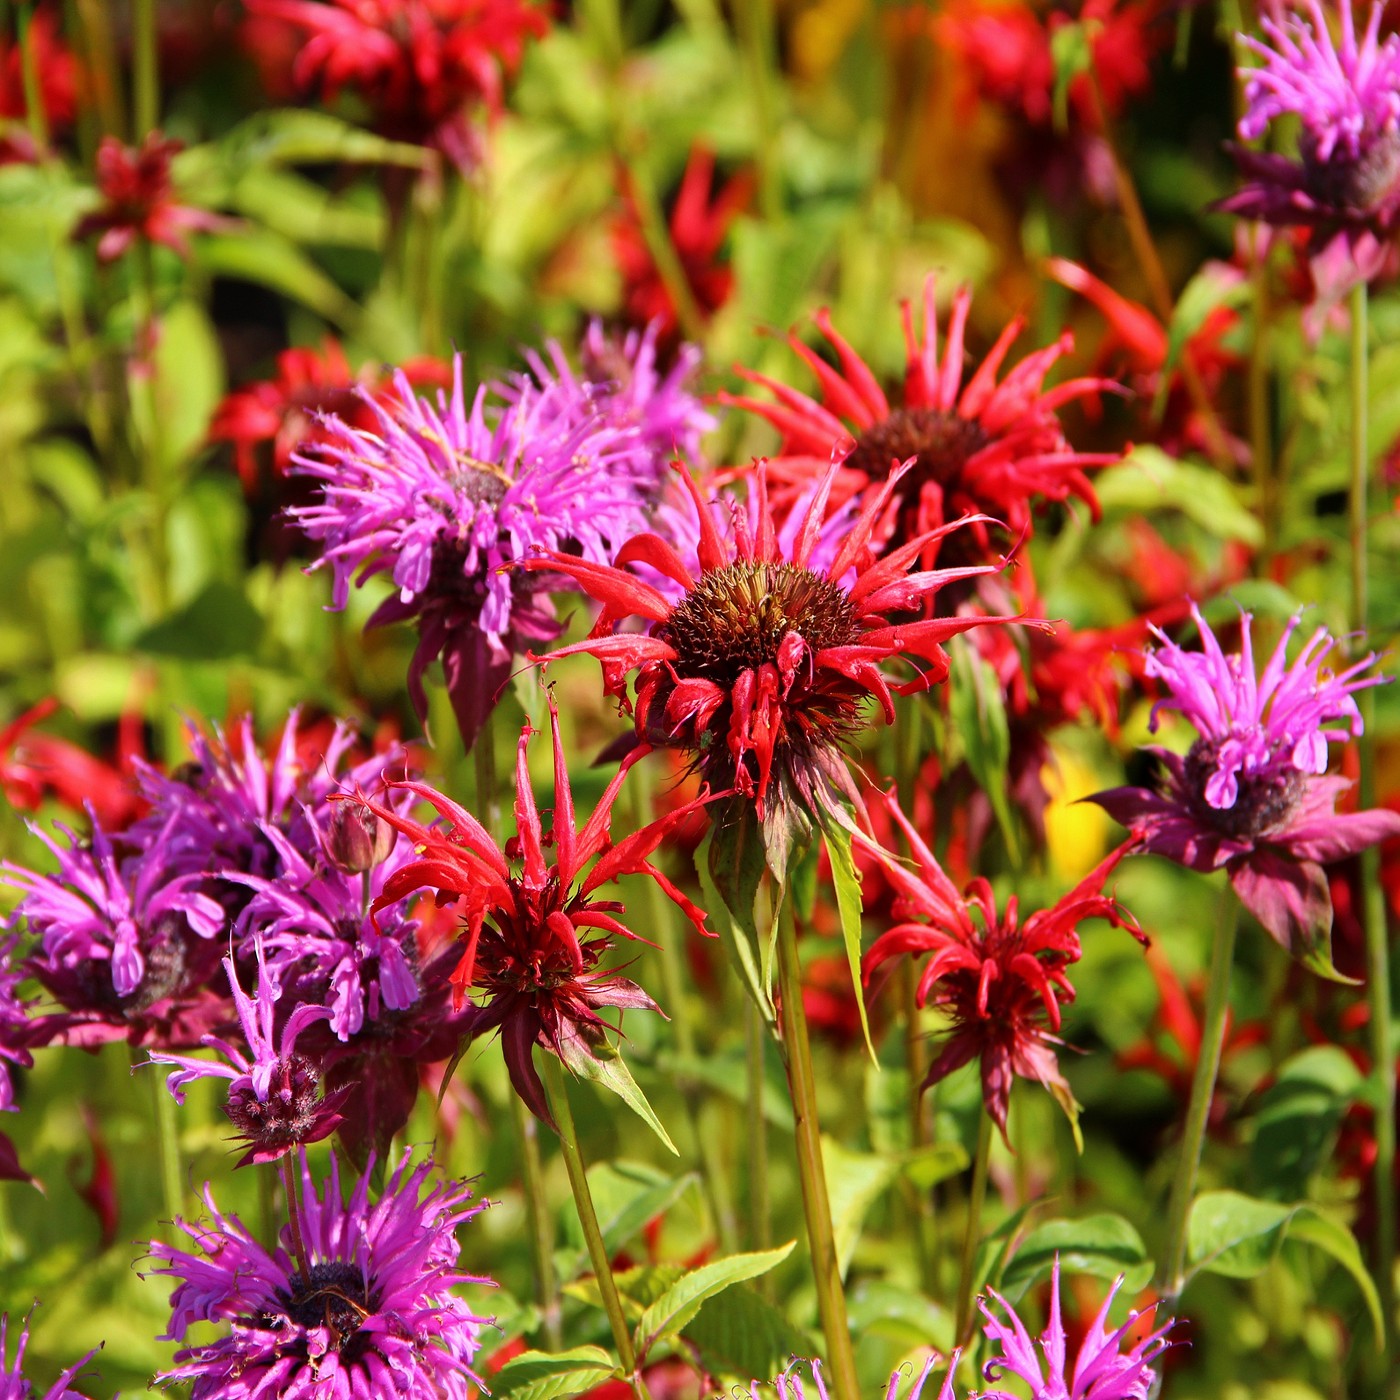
point(1252, 795)
point(1345, 186)
point(1101, 1370)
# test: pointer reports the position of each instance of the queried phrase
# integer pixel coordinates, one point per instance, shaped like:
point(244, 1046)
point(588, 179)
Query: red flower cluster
point(420, 65)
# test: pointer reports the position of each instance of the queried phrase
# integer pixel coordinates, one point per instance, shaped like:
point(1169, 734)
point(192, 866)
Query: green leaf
point(637, 1288)
point(536, 1375)
point(1238, 1236)
point(741, 1334)
point(300, 136)
point(1148, 480)
point(726, 1070)
point(626, 1195)
point(606, 1068)
point(845, 879)
point(730, 869)
point(1214, 286)
point(261, 256)
point(1102, 1245)
point(1298, 1118)
point(670, 1314)
point(854, 1182)
point(189, 380)
point(217, 623)
point(978, 709)
point(1072, 53)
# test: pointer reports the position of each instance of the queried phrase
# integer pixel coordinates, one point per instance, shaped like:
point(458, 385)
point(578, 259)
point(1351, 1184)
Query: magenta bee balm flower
point(1345, 185)
point(14, 1385)
point(444, 498)
point(369, 1314)
point(1252, 795)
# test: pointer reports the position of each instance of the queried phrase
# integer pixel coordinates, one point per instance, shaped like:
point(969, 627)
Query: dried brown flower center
point(735, 619)
point(941, 442)
point(1360, 183)
point(333, 1297)
point(1266, 800)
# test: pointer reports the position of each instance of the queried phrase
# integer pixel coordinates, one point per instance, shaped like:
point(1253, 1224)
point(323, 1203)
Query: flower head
point(422, 66)
point(535, 933)
point(1345, 186)
point(761, 668)
point(1101, 1370)
point(138, 195)
point(443, 502)
point(273, 1097)
point(14, 1386)
point(982, 449)
point(1251, 795)
point(1000, 980)
point(124, 939)
point(370, 1314)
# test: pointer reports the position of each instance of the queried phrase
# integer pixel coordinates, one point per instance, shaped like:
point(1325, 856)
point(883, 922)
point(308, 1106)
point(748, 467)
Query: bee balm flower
point(1252, 795)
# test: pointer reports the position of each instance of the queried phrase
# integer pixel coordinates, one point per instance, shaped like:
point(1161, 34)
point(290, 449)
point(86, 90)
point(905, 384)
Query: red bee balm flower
point(761, 668)
point(419, 64)
point(139, 200)
point(535, 933)
point(979, 448)
point(1001, 981)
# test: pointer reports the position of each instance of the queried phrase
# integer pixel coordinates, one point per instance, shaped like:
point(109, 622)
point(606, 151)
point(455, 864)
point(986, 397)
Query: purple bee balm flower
point(1345, 186)
point(370, 1314)
point(444, 502)
point(14, 1021)
point(622, 384)
point(14, 1386)
point(1252, 795)
point(123, 942)
point(273, 1097)
point(1102, 1370)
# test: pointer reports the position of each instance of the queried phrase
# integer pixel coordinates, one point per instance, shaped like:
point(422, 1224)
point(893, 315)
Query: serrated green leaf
point(670, 1314)
point(609, 1071)
point(845, 879)
point(1298, 1118)
point(1102, 1245)
point(536, 1375)
point(730, 887)
point(637, 1288)
point(741, 1334)
point(1148, 480)
point(1238, 1236)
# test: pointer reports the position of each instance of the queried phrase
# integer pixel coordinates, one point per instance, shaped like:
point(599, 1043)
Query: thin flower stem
point(145, 68)
point(760, 1226)
point(1372, 910)
point(973, 1234)
point(167, 1147)
point(558, 1095)
point(293, 1194)
point(537, 1221)
point(816, 1206)
point(754, 22)
point(1171, 1273)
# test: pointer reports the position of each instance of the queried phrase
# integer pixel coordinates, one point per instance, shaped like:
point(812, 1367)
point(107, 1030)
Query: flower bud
point(356, 839)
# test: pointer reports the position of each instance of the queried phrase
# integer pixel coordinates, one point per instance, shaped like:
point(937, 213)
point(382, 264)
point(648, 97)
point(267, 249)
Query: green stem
point(167, 1143)
point(972, 1236)
point(1373, 911)
point(537, 1221)
point(145, 69)
point(760, 1225)
point(754, 21)
point(1260, 438)
point(1171, 1275)
point(558, 1095)
point(29, 74)
point(816, 1206)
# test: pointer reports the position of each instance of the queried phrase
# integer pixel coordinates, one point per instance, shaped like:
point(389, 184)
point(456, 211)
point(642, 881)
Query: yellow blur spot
point(1076, 833)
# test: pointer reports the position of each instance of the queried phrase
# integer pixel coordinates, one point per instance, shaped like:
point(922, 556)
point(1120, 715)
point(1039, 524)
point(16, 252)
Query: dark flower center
point(942, 442)
point(1267, 796)
point(334, 1297)
point(1360, 183)
point(289, 1114)
point(482, 483)
point(735, 618)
